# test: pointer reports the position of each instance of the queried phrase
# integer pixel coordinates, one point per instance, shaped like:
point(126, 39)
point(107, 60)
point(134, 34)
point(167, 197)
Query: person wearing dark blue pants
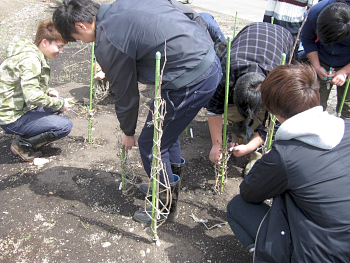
point(182, 106)
point(40, 120)
point(127, 36)
point(39, 127)
point(244, 219)
point(27, 103)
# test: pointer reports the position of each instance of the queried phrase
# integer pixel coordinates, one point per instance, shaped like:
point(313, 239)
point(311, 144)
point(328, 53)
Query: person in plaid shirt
point(255, 51)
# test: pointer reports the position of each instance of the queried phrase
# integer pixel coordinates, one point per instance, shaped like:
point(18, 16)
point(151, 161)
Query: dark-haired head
point(247, 96)
point(68, 12)
point(333, 23)
point(290, 89)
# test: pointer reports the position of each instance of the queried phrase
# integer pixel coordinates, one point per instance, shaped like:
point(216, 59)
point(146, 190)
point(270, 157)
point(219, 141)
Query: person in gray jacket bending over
point(307, 173)
point(127, 35)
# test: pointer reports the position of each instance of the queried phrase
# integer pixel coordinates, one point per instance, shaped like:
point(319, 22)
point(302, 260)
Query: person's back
point(251, 56)
point(318, 189)
point(305, 172)
point(144, 33)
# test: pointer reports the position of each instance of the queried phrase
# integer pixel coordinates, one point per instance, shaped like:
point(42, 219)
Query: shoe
point(24, 150)
point(143, 217)
point(251, 248)
point(41, 139)
point(178, 170)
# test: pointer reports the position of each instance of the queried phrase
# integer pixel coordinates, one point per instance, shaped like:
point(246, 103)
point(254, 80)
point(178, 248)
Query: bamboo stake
point(234, 30)
point(123, 168)
point(344, 95)
point(273, 118)
point(91, 85)
point(224, 136)
point(155, 184)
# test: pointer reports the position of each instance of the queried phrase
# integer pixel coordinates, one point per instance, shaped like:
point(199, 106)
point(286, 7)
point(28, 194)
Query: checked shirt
point(257, 48)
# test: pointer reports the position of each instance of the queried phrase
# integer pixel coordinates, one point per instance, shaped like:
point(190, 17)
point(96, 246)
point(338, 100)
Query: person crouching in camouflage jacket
point(28, 107)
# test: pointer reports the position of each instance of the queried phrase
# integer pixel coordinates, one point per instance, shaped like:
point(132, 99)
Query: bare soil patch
point(71, 209)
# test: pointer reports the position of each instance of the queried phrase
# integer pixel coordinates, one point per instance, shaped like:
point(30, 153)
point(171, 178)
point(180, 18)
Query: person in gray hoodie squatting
point(307, 173)
point(127, 35)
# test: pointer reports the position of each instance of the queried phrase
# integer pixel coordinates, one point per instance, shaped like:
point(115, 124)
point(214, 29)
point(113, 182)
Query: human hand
point(67, 104)
point(240, 150)
point(322, 73)
point(339, 78)
point(100, 75)
point(215, 153)
point(53, 93)
point(128, 141)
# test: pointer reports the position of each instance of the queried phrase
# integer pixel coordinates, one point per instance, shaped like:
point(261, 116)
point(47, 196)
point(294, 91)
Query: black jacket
point(128, 35)
point(309, 220)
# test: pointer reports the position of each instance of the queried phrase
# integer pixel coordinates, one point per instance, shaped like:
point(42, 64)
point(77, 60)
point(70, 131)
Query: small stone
point(40, 161)
point(106, 244)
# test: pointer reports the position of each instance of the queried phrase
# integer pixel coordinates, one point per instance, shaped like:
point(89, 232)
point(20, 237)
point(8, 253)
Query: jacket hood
point(20, 45)
point(314, 127)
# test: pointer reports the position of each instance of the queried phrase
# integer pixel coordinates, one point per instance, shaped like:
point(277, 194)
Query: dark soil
point(71, 209)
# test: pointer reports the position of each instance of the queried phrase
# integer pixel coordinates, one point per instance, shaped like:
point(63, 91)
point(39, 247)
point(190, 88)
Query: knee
point(233, 206)
point(65, 128)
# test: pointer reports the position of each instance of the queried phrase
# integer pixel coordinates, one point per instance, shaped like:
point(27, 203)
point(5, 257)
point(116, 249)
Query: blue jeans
point(40, 120)
point(182, 106)
point(245, 218)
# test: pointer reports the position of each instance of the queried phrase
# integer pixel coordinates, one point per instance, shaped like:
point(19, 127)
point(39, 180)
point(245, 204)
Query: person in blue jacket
point(127, 35)
point(326, 41)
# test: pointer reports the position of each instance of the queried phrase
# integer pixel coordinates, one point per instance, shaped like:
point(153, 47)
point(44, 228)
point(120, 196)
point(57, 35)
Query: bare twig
point(297, 39)
point(80, 50)
point(82, 62)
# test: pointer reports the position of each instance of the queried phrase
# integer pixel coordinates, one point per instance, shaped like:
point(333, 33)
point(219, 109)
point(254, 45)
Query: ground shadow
point(111, 229)
point(95, 188)
point(198, 239)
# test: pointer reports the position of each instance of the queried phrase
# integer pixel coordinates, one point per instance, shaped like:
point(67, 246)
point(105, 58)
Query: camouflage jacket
point(24, 77)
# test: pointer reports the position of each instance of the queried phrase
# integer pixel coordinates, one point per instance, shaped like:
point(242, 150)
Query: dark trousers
point(245, 218)
point(182, 106)
point(324, 94)
point(40, 120)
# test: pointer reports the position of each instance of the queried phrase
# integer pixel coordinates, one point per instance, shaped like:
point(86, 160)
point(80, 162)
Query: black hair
point(333, 23)
point(220, 49)
point(68, 12)
point(247, 96)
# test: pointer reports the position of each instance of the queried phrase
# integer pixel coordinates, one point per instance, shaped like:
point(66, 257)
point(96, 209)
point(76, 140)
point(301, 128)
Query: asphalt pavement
point(251, 10)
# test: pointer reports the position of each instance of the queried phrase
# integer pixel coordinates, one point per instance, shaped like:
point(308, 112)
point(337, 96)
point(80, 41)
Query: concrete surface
point(252, 10)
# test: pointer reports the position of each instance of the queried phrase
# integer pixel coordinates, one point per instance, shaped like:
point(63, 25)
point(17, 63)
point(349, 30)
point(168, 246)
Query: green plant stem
point(155, 149)
point(344, 95)
point(234, 30)
point(91, 91)
point(273, 118)
point(224, 135)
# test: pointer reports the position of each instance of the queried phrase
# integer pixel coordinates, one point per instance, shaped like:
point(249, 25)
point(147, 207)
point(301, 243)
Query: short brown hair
point(290, 89)
point(46, 30)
